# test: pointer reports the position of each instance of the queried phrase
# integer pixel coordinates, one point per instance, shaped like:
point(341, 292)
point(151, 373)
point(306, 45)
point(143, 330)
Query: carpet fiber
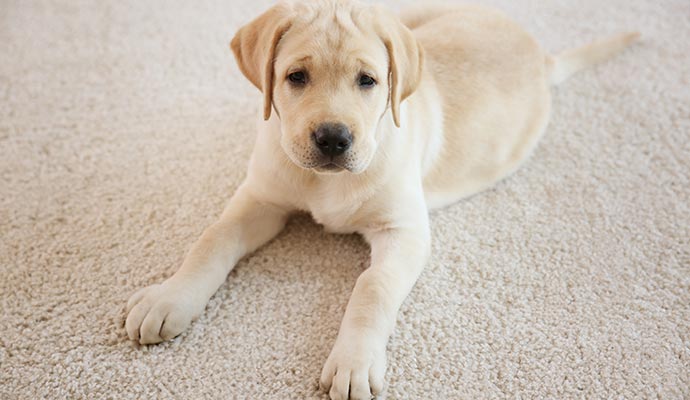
point(125, 127)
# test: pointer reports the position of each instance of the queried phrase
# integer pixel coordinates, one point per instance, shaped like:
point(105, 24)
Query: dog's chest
point(338, 212)
point(336, 219)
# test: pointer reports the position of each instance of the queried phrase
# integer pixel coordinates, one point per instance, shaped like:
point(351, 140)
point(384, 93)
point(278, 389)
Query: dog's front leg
point(356, 366)
point(161, 312)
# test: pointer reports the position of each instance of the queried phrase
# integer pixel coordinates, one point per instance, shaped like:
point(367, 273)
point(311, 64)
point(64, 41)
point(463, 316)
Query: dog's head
point(331, 70)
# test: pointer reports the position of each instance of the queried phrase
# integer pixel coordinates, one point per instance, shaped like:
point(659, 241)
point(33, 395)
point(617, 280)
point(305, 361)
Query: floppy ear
point(254, 46)
point(405, 58)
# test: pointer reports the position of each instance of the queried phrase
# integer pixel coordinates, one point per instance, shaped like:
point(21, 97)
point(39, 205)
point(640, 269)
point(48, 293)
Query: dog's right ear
point(254, 47)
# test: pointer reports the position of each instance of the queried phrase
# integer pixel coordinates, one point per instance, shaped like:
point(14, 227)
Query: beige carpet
point(125, 126)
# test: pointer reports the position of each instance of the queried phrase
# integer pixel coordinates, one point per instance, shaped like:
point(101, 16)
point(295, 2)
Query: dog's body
point(476, 98)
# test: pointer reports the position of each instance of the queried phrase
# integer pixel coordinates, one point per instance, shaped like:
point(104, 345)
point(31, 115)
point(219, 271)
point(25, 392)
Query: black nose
point(332, 139)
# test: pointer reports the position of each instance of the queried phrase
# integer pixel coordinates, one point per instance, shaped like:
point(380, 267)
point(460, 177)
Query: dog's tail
point(569, 62)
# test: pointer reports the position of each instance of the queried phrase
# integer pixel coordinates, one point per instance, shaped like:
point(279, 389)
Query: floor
point(125, 127)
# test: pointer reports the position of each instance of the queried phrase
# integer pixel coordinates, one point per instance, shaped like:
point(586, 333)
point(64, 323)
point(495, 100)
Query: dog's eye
point(365, 81)
point(298, 78)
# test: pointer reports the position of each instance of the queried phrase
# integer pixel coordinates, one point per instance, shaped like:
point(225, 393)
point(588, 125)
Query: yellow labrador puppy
point(370, 121)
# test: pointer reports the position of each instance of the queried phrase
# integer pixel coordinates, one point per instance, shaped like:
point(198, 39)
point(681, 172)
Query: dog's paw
point(355, 369)
point(160, 312)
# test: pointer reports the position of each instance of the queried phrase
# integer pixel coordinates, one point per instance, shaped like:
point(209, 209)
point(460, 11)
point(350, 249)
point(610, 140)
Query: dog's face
point(330, 91)
point(330, 69)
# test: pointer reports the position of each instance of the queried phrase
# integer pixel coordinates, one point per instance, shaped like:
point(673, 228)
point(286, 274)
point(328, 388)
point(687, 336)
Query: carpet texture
point(126, 126)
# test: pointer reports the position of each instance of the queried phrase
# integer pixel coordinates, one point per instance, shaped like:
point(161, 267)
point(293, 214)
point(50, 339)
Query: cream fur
point(473, 94)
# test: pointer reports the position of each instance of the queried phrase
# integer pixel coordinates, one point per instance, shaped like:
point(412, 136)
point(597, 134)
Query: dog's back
point(493, 79)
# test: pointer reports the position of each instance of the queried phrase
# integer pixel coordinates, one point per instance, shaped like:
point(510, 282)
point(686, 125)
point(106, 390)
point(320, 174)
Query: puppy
point(370, 120)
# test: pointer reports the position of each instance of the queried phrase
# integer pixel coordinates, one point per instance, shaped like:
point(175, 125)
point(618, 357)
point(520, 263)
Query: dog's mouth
point(329, 168)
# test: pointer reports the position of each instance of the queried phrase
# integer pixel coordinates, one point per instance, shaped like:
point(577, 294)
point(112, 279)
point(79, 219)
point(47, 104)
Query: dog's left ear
point(254, 46)
point(405, 59)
